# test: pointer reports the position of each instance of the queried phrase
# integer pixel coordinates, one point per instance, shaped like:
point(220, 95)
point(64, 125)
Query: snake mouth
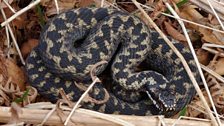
point(163, 100)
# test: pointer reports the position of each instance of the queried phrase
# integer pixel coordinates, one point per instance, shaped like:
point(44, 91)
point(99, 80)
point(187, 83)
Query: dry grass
point(80, 117)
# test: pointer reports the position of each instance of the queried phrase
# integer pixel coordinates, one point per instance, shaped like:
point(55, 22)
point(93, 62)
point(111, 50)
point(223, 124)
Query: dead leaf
point(86, 3)
point(219, 36)
point(219, 66)
point(213, 20)
point(28, 46)
point(159, 7)
point(60, 112)
point(31, 97)
point(196, 103)
point(173, 32)
point(62, 5)
point(20, 21)
point(208, 36)
point(10, 87)
point(8, 13)
point(216, 89)
point(189, 12)
point(15, 72)
point(203, 56)
point(3, 96)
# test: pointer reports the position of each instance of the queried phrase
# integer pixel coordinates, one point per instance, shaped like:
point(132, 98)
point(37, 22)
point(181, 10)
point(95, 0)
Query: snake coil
point(73, 41)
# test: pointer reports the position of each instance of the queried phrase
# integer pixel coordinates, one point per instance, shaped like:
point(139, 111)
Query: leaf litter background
point(27, 28)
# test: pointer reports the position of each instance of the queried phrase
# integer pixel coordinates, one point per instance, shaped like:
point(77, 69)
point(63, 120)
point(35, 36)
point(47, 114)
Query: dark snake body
point(72, 42)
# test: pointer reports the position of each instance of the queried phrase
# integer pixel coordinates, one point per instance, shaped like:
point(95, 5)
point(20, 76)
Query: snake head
point(163, 99)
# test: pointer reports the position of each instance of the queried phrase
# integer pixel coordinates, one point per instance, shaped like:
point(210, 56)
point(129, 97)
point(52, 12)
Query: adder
point(72, 42)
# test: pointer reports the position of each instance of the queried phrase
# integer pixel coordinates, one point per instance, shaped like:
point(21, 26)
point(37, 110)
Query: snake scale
point(72, 42)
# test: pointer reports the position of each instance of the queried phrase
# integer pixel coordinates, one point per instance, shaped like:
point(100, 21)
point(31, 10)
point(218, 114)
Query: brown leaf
point(31, 97)
point(60, 112)
point(21, 21)
point(219, 36)
point(16, 73)
point(160, 7)
point(173, 32)
point(196, 103)
point(63, 5)
point(213, 20)
point(28, 46)
point(219, 66)
point(8, 13)
point(216, 90)
point(203, 56)
point(208, 36)
point(3, 95)
point(189, 12)
point(86, 3)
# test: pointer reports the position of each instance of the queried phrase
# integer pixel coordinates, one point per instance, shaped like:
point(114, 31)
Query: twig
point(10, 7)
point(81, 117)
point(194, 23)
point(213, 51)
point(199, 108)
point(79, 113)
point(20, 12)
point(216, 15)
point(191, 118)
point(188, 21)
point(96, 114)
point(80, 99)
point(6, 32)
point(48, 115)
point(219, 2)
point(8, 41)
point(13, 39)
point(106, 4)
point(102, 116)
point(161, 120)
point(201, 73)
point(56, 5)
point(16, 45)
point(107, 117)
point(102, 3)
point(204, 5)
point(212, 45)
point(220, 78)
point(177, 53)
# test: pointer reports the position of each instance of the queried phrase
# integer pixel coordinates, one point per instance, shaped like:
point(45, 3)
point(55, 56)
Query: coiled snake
point(73, 41)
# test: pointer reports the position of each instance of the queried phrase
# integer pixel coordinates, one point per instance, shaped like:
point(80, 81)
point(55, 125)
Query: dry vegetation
point(20, 35)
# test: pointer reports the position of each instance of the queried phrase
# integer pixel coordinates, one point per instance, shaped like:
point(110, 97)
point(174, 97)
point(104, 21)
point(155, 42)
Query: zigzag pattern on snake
point(73, 41)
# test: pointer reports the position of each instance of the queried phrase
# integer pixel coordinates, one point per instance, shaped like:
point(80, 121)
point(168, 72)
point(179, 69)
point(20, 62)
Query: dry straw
point(88, 118)
point(9, 31)
point(94, 116)
point(201, 73)
point(182, 59)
